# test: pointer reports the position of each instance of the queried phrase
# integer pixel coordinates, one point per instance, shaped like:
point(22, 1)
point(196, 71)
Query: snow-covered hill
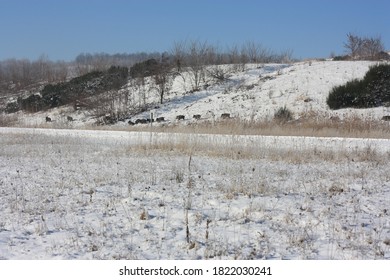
point(253, 94)
point(257, 93)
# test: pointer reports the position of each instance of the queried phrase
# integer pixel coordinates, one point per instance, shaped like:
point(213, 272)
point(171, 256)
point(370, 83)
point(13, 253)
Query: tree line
point(17, 74)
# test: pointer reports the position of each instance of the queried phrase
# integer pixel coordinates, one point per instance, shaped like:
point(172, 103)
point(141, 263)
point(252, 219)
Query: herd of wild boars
point(196, 117)
point(178, 118)
point(68, 118)
point(158, 120)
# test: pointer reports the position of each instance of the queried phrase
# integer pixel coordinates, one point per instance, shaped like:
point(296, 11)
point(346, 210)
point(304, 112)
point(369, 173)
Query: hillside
point(257, 93)
point(252, 95)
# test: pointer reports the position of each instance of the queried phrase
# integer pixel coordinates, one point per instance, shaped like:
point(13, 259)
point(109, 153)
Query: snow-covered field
point(74, 194)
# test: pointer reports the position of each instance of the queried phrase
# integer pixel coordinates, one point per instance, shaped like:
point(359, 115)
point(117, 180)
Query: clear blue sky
point(62, 29)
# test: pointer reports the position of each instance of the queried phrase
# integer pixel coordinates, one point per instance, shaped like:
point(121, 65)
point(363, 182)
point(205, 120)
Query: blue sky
point(62, 29)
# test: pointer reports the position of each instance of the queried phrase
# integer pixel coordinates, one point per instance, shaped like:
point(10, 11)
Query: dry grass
point(237, 148)
point(8, 119)
point(310, 124)
point(198, 139)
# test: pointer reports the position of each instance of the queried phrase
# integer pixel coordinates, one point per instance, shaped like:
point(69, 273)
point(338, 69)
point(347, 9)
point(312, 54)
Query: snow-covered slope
point(253, 94)
point(258, 92)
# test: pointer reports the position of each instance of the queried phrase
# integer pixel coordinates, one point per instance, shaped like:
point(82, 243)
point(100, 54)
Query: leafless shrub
point(218, 73)
point(363, 47)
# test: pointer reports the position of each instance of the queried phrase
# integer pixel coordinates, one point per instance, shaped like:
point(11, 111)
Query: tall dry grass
point(307, 125)
point(310, 123)
point(8, 120)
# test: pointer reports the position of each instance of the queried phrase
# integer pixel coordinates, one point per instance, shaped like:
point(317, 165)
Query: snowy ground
point(68, 194)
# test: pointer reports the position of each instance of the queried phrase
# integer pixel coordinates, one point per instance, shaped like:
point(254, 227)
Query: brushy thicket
point(54, 95)
point(372, 91)
point(144, 69)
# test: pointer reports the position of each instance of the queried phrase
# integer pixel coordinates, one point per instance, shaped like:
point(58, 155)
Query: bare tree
point(137, 87)
point(251, 51)
point(178, 54)
point(43, 69)
point(26, 73)
point(363, 48)
point(353, 45)
point(233, 55)
point(196, 62)
point(372, 47)
point(285, 56)
point(234, 58)
point(255, 53)
point(61, 71)
point(163, 77)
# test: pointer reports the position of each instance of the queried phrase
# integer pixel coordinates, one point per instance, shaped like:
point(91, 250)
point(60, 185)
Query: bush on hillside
point(32, 103)
point(342, 58)
point(54, 95)
point(283, 114)
point(372, 91)
point(144, 69)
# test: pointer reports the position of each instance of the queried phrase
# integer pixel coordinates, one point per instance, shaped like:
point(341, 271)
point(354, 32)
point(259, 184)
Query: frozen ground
point(67, 194)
